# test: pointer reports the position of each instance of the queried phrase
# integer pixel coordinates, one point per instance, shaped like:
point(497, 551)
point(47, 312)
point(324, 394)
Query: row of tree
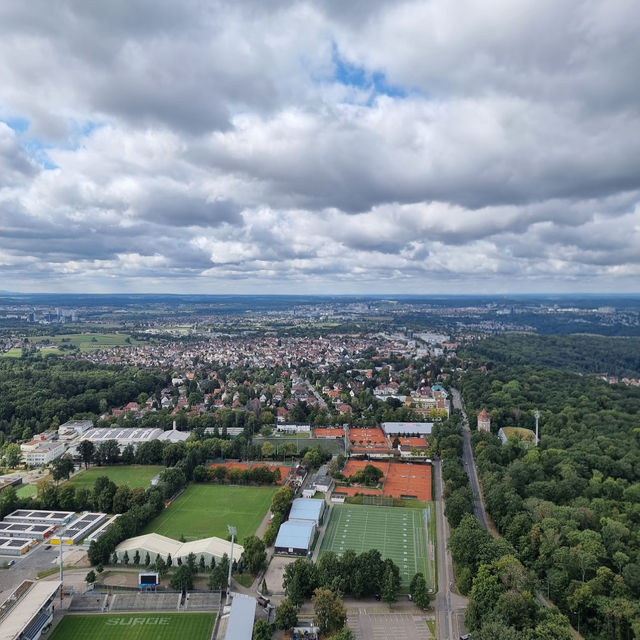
point(256, 475)
point(361, 576)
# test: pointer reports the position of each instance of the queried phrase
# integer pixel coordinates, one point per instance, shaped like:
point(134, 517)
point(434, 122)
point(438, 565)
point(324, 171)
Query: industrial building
point(26, 530)
point(29, 609)
point(241, 618)
point(101, 529)
point(416, 429)
point(156, 545)
point(130, 436)
point(80, 528)
point(39, 452)
point(40, 516)
point(307, 509)
point(15, 546)
point(74, 428)
point(295, 537)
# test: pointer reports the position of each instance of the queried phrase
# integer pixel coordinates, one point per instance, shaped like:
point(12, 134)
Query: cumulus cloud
point(307, 146)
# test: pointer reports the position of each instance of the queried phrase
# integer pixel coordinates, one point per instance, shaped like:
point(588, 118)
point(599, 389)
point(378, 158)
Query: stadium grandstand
point(28, 611)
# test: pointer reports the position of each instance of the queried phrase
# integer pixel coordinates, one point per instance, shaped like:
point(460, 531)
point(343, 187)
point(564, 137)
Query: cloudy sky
point(336, 146)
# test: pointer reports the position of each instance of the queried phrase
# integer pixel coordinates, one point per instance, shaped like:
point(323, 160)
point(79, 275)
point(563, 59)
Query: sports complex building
point(156, 545)
point(295, 536)
point(28, 610)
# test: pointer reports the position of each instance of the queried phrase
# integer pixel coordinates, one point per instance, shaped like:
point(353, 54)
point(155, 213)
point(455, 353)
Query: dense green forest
point(579, 353)
point(37, 393)
point(570, 507)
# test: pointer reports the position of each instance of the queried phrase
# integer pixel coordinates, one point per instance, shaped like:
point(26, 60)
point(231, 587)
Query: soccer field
point(131, 475)
point(398, 533)
point(136, 626)
point(205, 510)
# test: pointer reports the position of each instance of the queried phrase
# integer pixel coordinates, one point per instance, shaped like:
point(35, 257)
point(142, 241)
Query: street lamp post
point(233, 532)
point(537, 417)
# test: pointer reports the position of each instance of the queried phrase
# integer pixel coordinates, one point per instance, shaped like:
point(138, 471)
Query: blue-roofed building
point(296, 536)
point(243, 613)
point(307, 509)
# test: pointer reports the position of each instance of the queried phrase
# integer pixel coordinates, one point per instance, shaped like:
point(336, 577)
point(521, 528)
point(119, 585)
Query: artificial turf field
point(205, 510)
point(398, 533)
point(135, 475)
point(136, 626)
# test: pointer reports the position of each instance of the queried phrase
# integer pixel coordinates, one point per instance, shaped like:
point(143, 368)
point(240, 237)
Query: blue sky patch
point(38, 150)
point(357, 76)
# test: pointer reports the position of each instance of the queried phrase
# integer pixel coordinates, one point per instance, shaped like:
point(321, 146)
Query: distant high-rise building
point(484, 421)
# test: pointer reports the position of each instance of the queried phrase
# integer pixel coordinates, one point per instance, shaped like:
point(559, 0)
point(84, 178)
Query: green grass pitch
point(136, 626)
point(398, 533)
point(205, 510)
point(131, 475)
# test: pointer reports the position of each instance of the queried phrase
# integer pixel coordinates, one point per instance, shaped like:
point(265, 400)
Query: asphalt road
point(449, 605)
point(469, 464)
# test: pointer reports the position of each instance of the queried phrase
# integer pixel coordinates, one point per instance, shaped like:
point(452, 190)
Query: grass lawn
point(26, 490)
point(13, 353)
point(398, 533)
point(136, 626)
point(134, 475)
point(205, 510)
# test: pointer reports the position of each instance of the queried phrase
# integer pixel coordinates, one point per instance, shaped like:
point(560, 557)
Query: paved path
point(479, 510)
point(449, 605)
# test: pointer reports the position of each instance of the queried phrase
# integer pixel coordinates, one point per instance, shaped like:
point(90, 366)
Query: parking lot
point(367, 625)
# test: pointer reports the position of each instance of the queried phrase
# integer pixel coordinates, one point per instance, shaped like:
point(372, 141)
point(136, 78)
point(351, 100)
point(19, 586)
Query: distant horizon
point(574, 294)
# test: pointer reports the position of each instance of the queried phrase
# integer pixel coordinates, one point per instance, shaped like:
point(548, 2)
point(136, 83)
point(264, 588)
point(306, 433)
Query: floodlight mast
point(233, 532)
point(61, 570)
point(537, 417)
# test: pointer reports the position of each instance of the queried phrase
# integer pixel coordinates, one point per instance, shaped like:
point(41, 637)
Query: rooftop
point(28, 605)
point(306, 509)
point(295, 534)
point(243, 613)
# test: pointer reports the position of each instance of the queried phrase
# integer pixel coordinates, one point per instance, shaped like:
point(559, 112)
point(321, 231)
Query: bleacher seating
point(145, 602)
point(36, 626)
point(88, 602)
point(202, 601)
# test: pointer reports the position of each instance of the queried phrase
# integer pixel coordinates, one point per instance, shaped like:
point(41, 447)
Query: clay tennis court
point(328, 432)
point(369, 438)
point(401, 480)
point(354, 465)
point(408, 481)
point(352, 491)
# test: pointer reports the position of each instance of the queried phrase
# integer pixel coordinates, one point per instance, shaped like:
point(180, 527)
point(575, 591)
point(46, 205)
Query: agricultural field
point(132, 475)
point(86, 341)
point(398, 533)
point(136, 626)
point(205, 510)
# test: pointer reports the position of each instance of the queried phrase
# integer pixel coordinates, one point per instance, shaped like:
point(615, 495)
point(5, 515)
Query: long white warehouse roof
point(155, 543)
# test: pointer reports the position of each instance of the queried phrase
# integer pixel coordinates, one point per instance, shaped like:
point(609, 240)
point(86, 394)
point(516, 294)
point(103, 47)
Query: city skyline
point(319, 148)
